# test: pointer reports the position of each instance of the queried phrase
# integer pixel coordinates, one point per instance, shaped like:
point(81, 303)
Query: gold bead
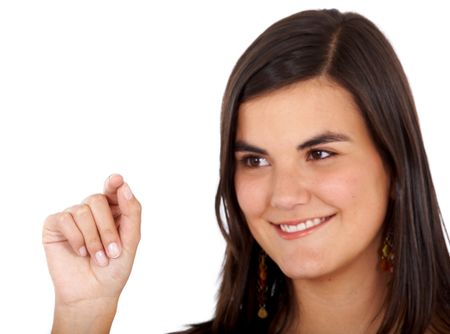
point(262, 313)
point(386, 250)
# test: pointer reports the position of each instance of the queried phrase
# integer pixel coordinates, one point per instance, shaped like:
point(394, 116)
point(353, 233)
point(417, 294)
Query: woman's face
point(309, 180)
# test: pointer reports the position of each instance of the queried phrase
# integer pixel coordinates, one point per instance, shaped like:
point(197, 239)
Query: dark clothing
point(203, 328)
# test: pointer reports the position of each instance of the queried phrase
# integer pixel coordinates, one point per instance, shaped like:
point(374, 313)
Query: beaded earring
point(262, 285)
point(387, 255)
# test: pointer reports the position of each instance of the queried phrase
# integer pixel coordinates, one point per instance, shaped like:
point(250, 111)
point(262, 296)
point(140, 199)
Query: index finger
point(112, 183)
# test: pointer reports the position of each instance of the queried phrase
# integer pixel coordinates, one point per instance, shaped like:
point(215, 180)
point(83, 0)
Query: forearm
point(84, 318)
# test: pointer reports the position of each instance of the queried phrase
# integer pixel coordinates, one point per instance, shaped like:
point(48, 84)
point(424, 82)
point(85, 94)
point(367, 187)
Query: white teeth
point(302, 226)
point(309, 223)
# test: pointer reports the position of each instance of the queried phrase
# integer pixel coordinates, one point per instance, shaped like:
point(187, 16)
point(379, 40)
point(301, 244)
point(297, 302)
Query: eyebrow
point(326, 137)
point(323, 138)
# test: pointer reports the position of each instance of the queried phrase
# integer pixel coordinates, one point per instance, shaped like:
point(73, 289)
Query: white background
point(88, 88)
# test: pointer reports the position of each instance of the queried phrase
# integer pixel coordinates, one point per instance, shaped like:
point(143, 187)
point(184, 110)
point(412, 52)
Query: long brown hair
point(350, 50)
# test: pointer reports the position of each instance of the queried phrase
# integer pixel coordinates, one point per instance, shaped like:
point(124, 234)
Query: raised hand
point(90, 249)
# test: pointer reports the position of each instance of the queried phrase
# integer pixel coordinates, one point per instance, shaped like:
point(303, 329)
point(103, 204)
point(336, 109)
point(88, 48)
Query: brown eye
point(319, 155)
point(254, 161)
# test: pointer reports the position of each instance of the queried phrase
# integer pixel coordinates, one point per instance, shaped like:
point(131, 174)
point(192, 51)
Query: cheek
point(359, 193)
point(339, 189)
point(252, 196)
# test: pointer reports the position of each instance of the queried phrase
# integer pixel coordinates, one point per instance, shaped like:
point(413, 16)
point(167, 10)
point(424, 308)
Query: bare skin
point(346, 302)
point(305, 155)
point(90, 249)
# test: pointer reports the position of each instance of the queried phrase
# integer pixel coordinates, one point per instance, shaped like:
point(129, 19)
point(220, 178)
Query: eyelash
point(315, 151)
point(248, 160)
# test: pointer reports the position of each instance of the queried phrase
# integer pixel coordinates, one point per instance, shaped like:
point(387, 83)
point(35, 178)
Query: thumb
point(130, 220)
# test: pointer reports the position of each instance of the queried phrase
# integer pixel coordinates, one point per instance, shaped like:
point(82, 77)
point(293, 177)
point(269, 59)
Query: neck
point(351, 301)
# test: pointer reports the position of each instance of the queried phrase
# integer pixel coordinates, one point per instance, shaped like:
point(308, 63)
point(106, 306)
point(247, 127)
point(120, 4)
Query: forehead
point(306, 107)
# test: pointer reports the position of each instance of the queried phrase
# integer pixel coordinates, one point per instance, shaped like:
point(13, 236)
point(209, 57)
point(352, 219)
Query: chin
point(298, 269)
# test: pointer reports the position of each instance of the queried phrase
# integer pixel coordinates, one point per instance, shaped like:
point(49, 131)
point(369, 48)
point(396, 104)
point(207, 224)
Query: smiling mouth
point(304, 225)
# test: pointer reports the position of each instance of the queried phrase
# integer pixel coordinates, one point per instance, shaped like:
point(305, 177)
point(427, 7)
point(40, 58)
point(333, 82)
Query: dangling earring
point(387, 255)
point(262, 285)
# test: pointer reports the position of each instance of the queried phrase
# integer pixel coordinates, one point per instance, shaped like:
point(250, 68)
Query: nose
point(289, 189)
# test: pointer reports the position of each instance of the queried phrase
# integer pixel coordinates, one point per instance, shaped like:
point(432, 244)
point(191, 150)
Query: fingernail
point(83, 251)
point(108, 180)
point(113, 250)
point(101, 259)
point(127, 191)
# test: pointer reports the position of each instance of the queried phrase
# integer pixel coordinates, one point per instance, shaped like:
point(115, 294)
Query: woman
point(325, 198)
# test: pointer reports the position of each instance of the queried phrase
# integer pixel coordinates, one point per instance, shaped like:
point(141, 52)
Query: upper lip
point(299, 221)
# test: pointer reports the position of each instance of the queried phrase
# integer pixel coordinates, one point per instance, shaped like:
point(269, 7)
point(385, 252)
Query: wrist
point(85, 316)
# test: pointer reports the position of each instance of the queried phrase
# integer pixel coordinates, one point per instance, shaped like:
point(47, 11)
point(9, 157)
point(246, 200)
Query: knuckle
point(95, 199)
point(63, 216)
point(81, 210)
point(50, 218)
